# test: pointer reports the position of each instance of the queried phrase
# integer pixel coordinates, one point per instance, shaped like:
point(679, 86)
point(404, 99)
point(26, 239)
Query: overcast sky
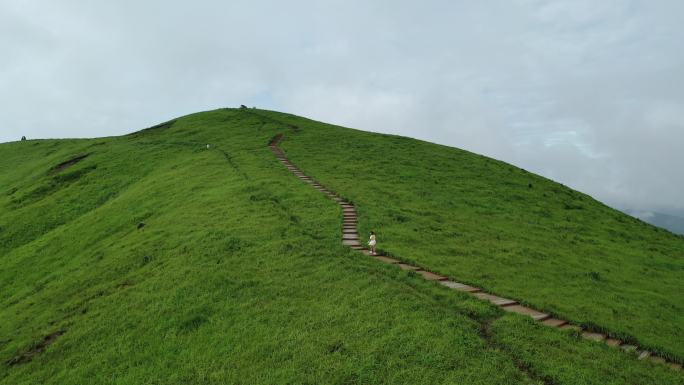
point(589, 93)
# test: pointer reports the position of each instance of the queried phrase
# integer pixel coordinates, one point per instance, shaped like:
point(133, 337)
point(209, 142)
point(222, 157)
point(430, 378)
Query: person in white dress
point(371, 243)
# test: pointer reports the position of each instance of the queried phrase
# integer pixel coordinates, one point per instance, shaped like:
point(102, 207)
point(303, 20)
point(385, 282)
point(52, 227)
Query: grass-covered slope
point(154, 260)
point(507, 230)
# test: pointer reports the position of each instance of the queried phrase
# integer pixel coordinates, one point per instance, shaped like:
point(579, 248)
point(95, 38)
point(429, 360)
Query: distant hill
point(666, 221)
point(152, 258)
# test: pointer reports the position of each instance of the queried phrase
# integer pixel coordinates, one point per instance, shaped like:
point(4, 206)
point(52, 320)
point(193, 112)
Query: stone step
point(598, 337)
point(460, 286)
point(496, 300)
point(570, 327)
point(432, 276)
point(657, 360)
point(524, 310)
point(613, 342)
point(642, 354)
point(628, 348)
point(350, 236)
point(554, 322)
point(382, 258)
point(351, 242)
point(408, 267)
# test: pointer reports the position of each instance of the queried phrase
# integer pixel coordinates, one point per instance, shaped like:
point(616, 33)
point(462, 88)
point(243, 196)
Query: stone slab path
point(350, 238)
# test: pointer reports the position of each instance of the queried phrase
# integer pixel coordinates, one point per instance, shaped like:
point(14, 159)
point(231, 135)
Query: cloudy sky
point(589, 93)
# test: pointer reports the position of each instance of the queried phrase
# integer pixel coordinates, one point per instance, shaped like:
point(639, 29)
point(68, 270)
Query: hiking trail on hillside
point(350, 238)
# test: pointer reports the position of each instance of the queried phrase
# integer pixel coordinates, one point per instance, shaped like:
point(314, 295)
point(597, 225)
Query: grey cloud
point(590, 94)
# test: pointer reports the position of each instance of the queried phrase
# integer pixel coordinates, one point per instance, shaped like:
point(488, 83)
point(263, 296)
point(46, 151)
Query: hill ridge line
point(350, 238)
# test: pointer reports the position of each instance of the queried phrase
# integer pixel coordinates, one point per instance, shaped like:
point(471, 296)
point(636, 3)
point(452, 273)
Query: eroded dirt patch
point(62, 166)
point(36, 349)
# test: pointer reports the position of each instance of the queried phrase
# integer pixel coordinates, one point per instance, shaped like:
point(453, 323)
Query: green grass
point(165, 263)
point(514, 233)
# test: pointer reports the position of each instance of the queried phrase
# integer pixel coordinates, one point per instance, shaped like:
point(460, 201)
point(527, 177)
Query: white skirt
point(371, 243)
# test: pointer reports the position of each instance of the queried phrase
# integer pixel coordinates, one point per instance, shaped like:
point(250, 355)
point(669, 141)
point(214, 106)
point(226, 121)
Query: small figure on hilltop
point(208, 146)
point(371, 243)
point(23, 138)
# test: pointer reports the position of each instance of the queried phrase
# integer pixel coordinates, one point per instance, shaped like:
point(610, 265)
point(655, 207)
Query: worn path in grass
point(350, 238)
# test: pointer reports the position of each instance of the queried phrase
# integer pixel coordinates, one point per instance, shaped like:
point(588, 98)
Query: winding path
point(350, 238)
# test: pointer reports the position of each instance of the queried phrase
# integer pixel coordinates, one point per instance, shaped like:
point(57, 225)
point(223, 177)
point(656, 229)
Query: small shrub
point(146, 259)
point(193, 323)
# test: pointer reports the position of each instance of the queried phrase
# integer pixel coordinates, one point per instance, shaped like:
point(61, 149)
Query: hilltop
point(150, 258)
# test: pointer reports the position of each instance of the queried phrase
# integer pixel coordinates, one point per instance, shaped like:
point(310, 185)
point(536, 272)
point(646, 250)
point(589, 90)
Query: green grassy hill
point(151, 259)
